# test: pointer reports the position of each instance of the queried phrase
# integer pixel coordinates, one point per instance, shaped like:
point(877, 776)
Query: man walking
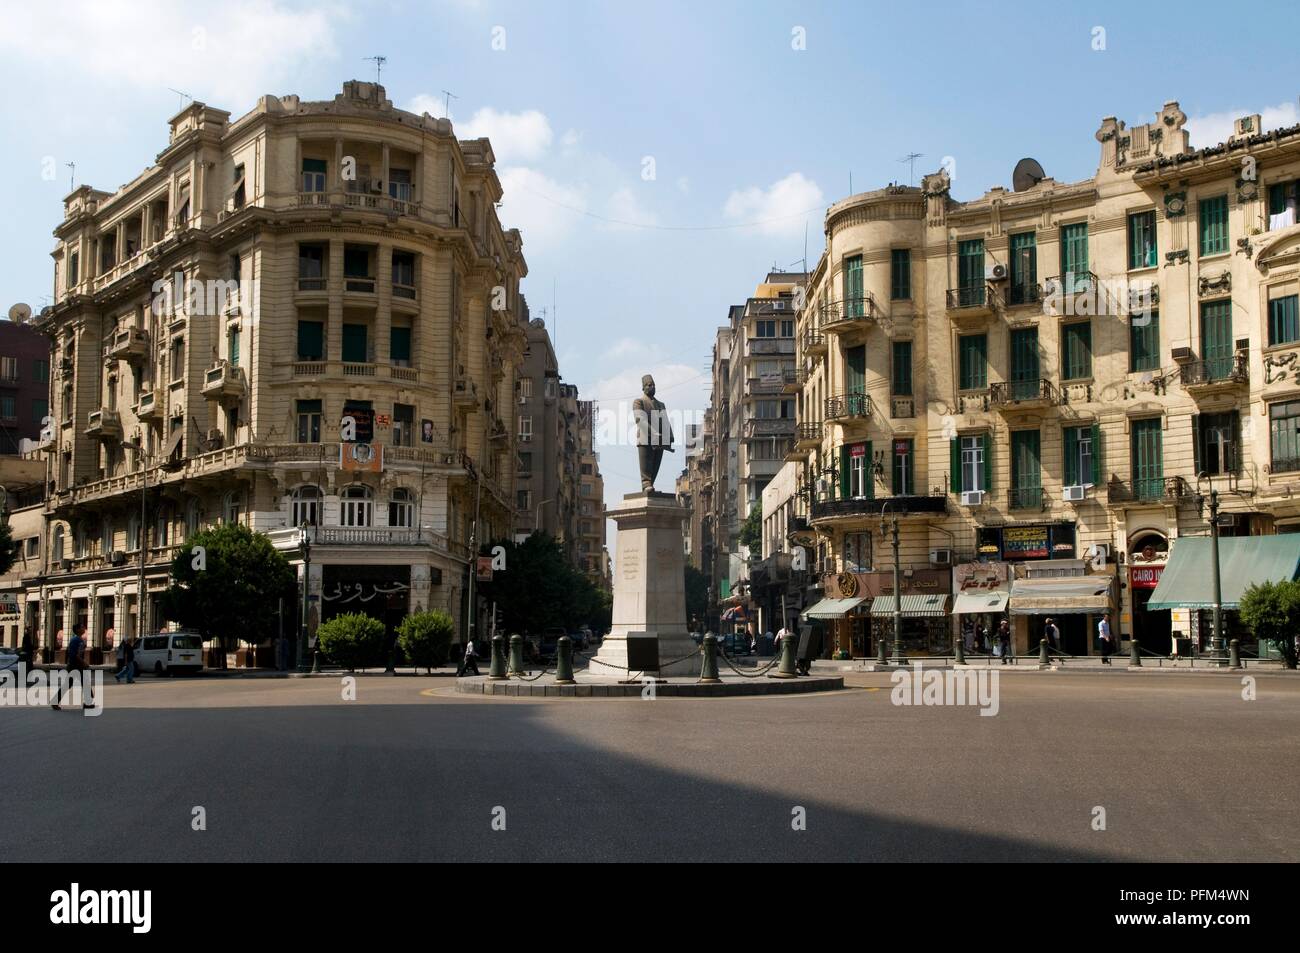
point(1004, 641)
point(76, 663)
point(468, 661)
point(126, 656)
point(1052, 634)
point(1103, 633)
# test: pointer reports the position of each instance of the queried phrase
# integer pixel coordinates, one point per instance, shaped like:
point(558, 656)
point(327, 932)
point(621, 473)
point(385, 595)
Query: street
point(1185, 769)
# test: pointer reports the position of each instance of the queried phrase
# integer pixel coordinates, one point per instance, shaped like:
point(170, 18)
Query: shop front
point(859, 627)
point(1075, 603)
point(381, 592)
point(1153, 628)
point(981, 592)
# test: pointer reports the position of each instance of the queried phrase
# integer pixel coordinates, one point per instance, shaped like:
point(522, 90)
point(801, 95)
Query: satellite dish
point(1028, 173)
point(20, 313)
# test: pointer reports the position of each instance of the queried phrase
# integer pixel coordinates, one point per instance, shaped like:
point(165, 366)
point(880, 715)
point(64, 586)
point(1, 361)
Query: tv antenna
point(72, 176)
point(910, 159)
point(379, 62)
point(448, 96)
point(183, 95)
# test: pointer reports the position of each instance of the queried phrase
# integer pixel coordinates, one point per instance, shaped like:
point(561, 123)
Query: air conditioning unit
point(941, 557)
point(996, 272)
point(1074, 494)
point(1181, 355)
point(376, 185)
point(972, 497)
point(117, 558)
point(778, 305)
point(523, 399)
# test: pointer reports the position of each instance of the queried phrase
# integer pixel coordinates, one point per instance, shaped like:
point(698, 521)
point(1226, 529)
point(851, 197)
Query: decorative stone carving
point(1175, 204)
point(1277, 367)
point(1178, 257)
point(1219, 284)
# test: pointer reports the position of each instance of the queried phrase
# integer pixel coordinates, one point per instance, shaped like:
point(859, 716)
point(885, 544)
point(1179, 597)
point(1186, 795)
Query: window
point(178, 359)
point(902, 383)
point(313, 175)
point(1284, 436)
point(403, 274)
point(1147, 458)
point(1282, 200)
point(973, 362)
point(232, 507)
point(41, 371)
point(40, 410)
point(193, 516)
point(163, 527)
point(355, 344)
point(1024, 268)
point(399, 346)
point(73, 269)
point(525, 427)
point(1144, 342)
point(900, 274)
point(970, 272)
point(9, 369)
point(1024, 364)
point(971, 464)
point(106, 537)
point(523, 500)
point(1081, 467)
point(311, 340)
point(232, 345)
point(1217, 442)
point(399, 185)
point(855, 369)
point(525, 463)
point(356, 506)
point(401, 509)
point(855, 473)
point(1212, 215)
point(132, 533)
point(237, 188)
point(311, 267)
point(526, 388)
point(1074, 256)
point(309, 416)
point(1076, 351)
point(852, 281)
point(857, 552)
point(1216, 339)
point(32, 547)
point(765, 329)
point(787, 328)
point(903, 468)
point(1142, 240)
point(305, 506)
point(56, 543)
point(8, 407)
point(1283, 320)
point(403, 425)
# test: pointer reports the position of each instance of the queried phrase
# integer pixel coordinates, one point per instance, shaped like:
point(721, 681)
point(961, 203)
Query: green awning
point(1188, 579)
point(831, 608)
point(912, 605)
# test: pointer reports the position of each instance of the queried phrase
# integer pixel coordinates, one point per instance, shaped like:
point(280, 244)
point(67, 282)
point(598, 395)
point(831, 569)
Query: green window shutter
point(988, 462)
point(855, 375)
point(1077, 343)
point(1074, 254)
point(900, 274)
point(853, 286)
point(311, 341)
point(1144, 343)
point(313, 165)
point(1142, 240)
point(1148, 459)
point(354, 343)
point(844, 471)
point(903, 368)
point(1070, 443)
point(954, 465)
point(1284, 320)
point(1096, 455)
point(399, 346)
point(1213, 217)
point(970, 266)
point(870, 478)
point(1024, 265)
point(1216, 338)
point(972, 362)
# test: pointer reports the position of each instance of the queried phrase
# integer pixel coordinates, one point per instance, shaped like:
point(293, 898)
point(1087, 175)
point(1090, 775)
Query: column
point(334, 321)
point(384, 293)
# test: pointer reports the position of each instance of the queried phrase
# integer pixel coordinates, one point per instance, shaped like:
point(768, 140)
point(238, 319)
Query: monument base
point(649, 588)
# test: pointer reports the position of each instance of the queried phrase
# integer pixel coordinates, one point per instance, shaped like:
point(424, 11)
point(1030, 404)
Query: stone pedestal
point(649, 586)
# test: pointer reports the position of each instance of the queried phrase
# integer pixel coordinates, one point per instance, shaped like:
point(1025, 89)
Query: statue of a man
point(654, 433)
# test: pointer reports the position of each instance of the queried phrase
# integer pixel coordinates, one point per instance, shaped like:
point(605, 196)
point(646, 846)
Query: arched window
point(133, 533)
point(106, 536)
point(306, 506)
point(56, 547)
point(193, 515)
point(232, 507)
point(355, 506)
point(401, 509)
point(162, 531)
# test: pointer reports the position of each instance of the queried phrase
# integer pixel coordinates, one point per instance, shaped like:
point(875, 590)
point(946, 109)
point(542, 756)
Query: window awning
point(831, 608)
point(173, 442)
point(984, 600)
point(913, 605)
point(1061, 595)
point(1188, 579)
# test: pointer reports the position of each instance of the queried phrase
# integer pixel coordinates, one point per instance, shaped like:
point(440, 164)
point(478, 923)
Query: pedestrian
point(1004, 641)
point(468, 661)
point(29, 648)
point(1052, 634)
point(126, 659)
point(1103, 633)
point(968, 636)
point(76, 663)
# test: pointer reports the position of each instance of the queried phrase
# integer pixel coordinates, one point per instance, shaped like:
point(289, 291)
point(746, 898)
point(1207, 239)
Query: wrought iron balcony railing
point(848, 406)
point(1232, 369)
point(1025, 498)
point(1037, 389)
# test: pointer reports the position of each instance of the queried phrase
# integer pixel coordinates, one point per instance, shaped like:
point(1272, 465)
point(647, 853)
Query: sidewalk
point(1080, 664)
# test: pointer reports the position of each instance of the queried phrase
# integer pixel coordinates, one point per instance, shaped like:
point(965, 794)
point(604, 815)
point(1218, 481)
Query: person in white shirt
point(470, 660)
point(1103, 633)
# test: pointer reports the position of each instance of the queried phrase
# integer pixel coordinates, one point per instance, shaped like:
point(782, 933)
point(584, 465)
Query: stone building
point(1043, 384)
point(306, 316)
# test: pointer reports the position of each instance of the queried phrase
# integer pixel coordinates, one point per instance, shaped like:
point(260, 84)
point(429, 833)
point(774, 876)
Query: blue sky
point(746, 133)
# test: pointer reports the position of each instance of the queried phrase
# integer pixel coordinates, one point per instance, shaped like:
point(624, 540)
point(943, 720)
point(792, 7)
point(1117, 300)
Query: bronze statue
point(654, 433)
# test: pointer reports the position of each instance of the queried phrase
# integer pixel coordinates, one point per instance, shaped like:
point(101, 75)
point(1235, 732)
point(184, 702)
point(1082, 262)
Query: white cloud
point(516, 137)
point(544, 209)
point(435, 106)
point(779, 209)
point(1214, 128)
point(226, 55)
point(625, 348)
point(627, 211)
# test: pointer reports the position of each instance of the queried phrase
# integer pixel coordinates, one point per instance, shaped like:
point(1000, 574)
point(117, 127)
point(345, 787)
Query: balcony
point(104, 424)
point(766, 347)
point(808, 436)
point(814, 343)
point(759, 428)
point(1022, 295)
point(902, 407)
point(923, 507)
point(465, 393)
point(792, 380)
point(312, 283)
point(970, 304)
point(763, 386)
point(1215, 374)
point(1026, 498)
point(147, 408)
point(1077, 293)
point(1283, 465)
point(224, 382)
point(848, 315)
point(1162, 489)
point(848, 407)
point(1022, 395)
point(129, 344)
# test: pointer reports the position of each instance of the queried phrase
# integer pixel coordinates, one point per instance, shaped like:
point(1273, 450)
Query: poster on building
point(484, 573)
point(361, 457)
point(1025, 542)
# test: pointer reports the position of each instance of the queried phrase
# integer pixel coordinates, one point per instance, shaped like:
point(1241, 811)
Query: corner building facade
point(1043, 384)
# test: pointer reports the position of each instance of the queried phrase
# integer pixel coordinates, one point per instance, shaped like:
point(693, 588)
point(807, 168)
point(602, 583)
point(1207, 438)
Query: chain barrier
point(762, 671)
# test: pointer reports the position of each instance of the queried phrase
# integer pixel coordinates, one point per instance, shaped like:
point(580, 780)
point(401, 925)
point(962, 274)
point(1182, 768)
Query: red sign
point(1145, 577)
point(858, 450)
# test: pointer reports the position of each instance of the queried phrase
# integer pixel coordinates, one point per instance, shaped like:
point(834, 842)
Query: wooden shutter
point(988, 462)
point(1096, 455)
point(844, 471)
point(954, 465)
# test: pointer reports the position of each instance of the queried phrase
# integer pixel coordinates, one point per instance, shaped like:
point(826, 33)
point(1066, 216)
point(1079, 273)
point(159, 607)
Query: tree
point(228, 583)
point(425, 637)
point(697, 595)
point(352, 639)
point(540, 588)
point(8, 548)
point(1271, 610)
point(751, 532)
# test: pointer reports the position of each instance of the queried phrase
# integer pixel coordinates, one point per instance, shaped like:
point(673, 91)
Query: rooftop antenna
point(183, 95)
point(910, 159)
point(448, 96)
point(72, 176)
point(379, 62)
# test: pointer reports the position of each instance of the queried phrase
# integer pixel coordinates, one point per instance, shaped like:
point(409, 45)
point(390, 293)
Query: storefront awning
point(982, 601)
point(1061, 595)
point(831, 608)
point(911, 605)
point(1188, 579)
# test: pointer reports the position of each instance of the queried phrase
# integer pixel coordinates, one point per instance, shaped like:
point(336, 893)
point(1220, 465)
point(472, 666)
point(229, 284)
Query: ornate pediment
point(1278, 249)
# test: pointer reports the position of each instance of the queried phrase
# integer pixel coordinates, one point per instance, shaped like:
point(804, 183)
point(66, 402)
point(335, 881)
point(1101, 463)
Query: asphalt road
point(287, 770)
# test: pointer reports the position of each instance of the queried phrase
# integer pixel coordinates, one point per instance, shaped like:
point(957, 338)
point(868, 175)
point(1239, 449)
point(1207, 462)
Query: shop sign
point(1145, 577)
point(1025, 542)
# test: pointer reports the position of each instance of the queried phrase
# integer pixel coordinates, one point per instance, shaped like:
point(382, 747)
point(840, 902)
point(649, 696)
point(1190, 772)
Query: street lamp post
point(1216, 638)
point(899, 657)
point(304, 541)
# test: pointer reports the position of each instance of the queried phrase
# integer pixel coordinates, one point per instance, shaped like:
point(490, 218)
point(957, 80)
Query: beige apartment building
point(305, 319)
point(1044, 383)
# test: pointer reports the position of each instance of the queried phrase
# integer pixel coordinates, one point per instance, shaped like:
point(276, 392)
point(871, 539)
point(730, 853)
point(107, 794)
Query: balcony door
point(970, 272)
point(1148, 459)
point(1216, 339)
point(1024, 363)
point(1026, 476)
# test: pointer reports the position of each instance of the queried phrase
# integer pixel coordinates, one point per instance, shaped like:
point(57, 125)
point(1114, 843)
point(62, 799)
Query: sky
point(658, 158)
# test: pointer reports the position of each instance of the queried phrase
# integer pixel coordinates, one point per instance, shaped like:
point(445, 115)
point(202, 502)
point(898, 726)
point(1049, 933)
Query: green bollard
point(959, 650)
point(498, 670)
point(1044, 660)
point(1134, 654)
point(882, 657)
point(516, 654)
point(1234, 654)
point(564, 661)
point(786, 668)
point(709, 672)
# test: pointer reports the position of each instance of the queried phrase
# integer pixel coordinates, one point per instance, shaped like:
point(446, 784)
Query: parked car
point(168, 653)
point(8, 659)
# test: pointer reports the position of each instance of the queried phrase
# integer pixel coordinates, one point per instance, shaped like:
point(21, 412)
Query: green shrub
point(1271, 610)
point(352, 640)
point(425, 637)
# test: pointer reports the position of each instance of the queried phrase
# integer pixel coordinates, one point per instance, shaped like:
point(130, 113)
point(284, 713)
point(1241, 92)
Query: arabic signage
point(1145, 577)
point(362, 418)
point(870, 584)
point(377, 591)
point(980, 577)
point(1025, 542)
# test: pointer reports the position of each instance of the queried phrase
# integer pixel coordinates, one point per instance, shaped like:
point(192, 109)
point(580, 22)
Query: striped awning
point(978, 603)
point(912, 605)
point(831, 608)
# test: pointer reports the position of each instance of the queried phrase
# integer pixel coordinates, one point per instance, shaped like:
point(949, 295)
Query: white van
point(167, 653)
